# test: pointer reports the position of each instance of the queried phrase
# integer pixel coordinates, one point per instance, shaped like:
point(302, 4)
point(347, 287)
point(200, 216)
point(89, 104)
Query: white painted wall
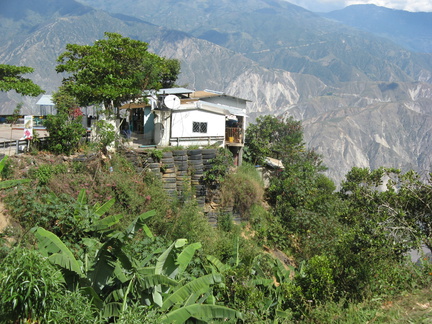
point(182, 123)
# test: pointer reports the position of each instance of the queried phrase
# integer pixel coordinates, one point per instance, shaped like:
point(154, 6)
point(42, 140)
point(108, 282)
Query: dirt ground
point(4, 221)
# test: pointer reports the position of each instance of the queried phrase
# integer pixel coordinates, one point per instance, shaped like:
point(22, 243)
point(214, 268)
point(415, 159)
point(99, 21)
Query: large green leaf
point(201, 284)
point(104, 208)
point(57, 252)
point(3, 163)
point(93, 296)
point(166, 263)
point(186, 256)
point(82, 198)
point(105, 223)
point(139, 223)
point(149, 281)
point(110, 310)
point(12, 183)
point(103, 267)
point(201, 312)
point(221, 267)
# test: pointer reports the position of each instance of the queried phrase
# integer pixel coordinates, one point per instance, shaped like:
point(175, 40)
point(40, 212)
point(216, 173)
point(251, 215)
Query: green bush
point(44, 172)
point(29, 286)
point(65, 133)
point(317, 281)
point(242, 189)
point(220, 167)
point(74, 308)
point(38, 207)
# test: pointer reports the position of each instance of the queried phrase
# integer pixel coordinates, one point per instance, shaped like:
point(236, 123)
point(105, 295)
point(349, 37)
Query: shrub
point(220, 166)
point(29, 286)
point(72, 307)
point(243, 189)
point(317, 279)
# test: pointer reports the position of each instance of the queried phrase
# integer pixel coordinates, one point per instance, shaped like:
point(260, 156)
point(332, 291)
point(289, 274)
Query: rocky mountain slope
point(363, 101)
point(412, 30)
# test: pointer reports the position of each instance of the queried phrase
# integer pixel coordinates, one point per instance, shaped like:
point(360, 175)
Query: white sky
point(329, 5)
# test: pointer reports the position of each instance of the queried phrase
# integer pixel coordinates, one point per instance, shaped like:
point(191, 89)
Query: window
point(198, 127)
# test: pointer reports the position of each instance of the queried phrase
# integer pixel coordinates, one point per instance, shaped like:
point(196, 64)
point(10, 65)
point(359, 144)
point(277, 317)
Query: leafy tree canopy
point(114, 70)
point(65, 128)
point(273, 137)
point(11, 79)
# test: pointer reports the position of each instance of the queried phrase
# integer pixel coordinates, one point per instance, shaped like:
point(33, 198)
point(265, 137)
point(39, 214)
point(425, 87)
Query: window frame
point(199, 127)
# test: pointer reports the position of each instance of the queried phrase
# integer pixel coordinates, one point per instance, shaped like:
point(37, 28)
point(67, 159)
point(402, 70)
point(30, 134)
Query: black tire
point(169, 170)
point(179, 153)
point(168, 165)
point(169, 180)
point(209, 151)
point(167, 160)
point(208, 156)
point(181, 164)
point(194, 152)
point(182, 168)
point(195, 162)
point(195, 157)
point(180, 158)
point(169, 186)
point(167, 154)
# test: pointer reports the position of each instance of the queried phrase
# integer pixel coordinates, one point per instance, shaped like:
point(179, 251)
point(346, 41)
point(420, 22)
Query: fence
point(19, 145)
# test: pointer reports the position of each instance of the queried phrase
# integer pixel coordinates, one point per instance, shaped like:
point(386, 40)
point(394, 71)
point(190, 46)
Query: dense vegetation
point(97, 240)
point(94, 245)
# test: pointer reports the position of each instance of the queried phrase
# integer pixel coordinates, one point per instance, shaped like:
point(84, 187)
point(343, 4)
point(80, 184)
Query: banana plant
point(267, 274)
point(106, 271)
point(191, 300)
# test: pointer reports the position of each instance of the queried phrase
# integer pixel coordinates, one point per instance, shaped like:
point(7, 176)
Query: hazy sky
point(328, 5)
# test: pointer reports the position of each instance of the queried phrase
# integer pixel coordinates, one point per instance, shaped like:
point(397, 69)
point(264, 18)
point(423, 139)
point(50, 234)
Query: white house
point(182, 117)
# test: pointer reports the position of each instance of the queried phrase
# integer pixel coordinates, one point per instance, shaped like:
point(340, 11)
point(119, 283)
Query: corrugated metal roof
point(45, 100)
point(211, 93)
point(174, 91)
point(230, 109)
point(203, 94)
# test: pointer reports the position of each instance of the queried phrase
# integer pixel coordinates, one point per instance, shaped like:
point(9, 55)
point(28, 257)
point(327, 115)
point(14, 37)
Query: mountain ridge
point(341, 104)
point(412, 30)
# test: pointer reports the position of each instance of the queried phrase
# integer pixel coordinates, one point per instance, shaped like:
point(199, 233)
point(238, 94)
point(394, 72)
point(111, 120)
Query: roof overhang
point(210, 93)
point(133, 105)
point(45, 100)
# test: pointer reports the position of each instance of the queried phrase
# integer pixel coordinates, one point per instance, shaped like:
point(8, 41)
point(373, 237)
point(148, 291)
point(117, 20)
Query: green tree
point(113, 70)
point(65, 127)
point(273, 137)
point(11, 79)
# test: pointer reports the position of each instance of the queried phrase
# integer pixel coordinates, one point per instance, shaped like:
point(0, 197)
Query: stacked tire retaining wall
point(181, 173)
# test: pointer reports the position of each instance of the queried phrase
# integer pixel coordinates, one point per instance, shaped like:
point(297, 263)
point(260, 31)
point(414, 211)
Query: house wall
point(182, 122)
point(162, 127)
point(149, 126)
point(182, 133)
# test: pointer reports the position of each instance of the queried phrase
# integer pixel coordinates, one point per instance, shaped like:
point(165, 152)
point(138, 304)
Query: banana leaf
point(166, 263)
point(105, 223)
point(220, 267)
point(12, 183)
point(139, 223)
point(57, 252)
point(100, 210)
point(180, 295)
point(186, 256)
